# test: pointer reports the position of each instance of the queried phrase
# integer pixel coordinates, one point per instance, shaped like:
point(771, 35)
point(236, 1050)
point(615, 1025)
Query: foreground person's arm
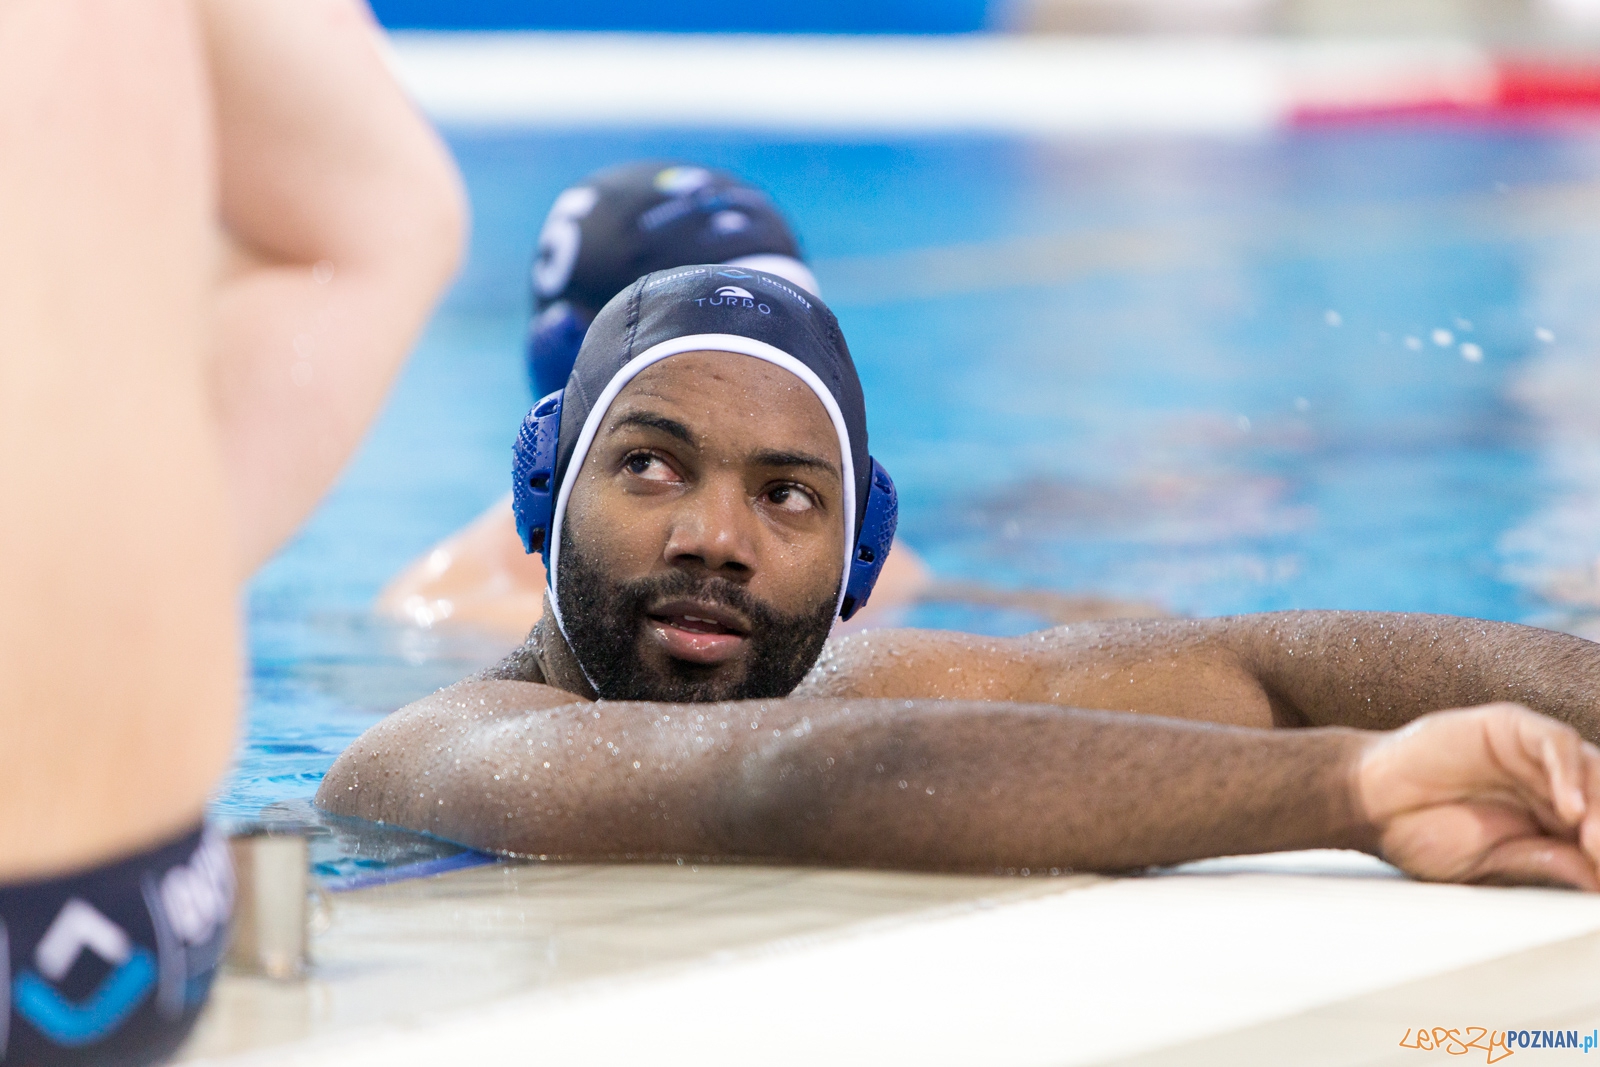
point(1491, 794)
point(1370, 670)
point(346, 218)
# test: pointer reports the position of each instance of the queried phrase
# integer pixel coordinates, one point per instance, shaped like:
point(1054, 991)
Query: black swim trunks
point(110, 966)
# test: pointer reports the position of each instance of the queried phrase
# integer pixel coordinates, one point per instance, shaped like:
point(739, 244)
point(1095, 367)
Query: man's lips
point(697, 632)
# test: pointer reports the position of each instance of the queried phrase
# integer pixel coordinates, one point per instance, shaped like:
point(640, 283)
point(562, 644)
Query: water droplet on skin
point(322, 273)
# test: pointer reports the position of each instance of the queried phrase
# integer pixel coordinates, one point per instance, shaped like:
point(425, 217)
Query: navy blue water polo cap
point(626, 221)
point(705, 308)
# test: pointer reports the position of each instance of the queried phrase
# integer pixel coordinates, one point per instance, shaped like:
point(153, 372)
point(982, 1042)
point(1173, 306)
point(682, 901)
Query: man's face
point(704, 537)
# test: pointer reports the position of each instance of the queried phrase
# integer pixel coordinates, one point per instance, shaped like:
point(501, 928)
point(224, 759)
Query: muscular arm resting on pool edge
point(1369, 670)
point(1492, 794)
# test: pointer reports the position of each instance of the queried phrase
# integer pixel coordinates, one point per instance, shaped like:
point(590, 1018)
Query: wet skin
point(951, 751)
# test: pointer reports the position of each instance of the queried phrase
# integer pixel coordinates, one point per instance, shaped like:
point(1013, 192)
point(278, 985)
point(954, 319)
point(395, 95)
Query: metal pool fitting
point(273, 911)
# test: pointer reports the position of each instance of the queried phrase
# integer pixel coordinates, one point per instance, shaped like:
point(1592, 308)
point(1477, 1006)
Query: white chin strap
point(700, 342)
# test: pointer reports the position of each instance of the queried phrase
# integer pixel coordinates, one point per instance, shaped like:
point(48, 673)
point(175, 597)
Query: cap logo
point(733, 296)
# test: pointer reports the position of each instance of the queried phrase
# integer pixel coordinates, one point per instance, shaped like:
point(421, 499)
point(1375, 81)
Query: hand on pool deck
point(481, 577)
point(948, 751)
point(1491, 795)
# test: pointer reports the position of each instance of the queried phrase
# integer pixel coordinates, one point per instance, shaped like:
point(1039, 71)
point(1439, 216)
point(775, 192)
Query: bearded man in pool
point(707, 472)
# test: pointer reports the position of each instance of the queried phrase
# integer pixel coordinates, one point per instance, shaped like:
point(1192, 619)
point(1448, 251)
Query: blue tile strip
point(426, 869)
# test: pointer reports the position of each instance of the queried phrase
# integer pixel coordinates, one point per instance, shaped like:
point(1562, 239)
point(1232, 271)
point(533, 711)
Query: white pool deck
point(1304, 958)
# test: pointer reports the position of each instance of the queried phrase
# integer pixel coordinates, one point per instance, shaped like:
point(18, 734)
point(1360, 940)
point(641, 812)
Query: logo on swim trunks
point(733, 296)
point(77, 927)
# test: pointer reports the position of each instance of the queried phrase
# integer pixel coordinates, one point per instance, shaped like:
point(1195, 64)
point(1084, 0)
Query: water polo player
point(705, 497)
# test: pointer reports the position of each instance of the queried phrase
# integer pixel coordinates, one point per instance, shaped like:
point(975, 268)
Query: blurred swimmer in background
point(616, 225)
point(222, 227)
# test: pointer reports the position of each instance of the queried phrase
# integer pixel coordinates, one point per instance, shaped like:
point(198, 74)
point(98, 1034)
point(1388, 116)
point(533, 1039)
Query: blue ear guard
point(872, 544)
point(554, 338)
point(533, 469)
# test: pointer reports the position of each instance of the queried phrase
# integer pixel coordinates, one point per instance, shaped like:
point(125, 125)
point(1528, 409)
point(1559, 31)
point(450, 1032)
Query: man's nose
point(714, 530)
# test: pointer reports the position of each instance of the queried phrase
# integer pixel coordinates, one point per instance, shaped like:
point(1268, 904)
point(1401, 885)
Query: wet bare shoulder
point(1115, 665)
point(918, 664)
point(404, 745)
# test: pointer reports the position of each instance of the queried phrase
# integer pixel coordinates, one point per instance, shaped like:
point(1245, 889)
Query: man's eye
point(645, 465)
point(790, 498)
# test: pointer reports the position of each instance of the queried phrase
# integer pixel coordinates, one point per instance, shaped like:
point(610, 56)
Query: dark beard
point(604, 622)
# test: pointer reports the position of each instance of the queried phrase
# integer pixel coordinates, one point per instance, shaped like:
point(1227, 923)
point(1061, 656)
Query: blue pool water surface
point(1223, 376)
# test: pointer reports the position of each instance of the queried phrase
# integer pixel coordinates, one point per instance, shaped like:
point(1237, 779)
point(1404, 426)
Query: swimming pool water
point(1223, 376)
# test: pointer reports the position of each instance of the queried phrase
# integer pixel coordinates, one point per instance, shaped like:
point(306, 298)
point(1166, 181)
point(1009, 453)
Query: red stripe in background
point(1526, 85)
point(1527, 90)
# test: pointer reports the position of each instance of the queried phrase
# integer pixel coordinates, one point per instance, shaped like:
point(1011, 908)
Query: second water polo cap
point(626, 221)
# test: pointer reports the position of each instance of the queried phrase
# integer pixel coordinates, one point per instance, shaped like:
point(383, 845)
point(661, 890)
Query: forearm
point(938, 785)
point(345, 216)
point(984, 786)
point(1379, 671)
